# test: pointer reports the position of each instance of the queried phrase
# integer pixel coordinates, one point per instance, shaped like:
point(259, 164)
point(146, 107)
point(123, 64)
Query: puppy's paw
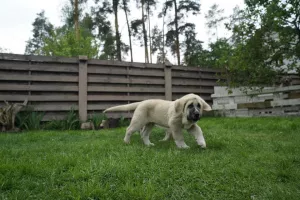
point(181, 145)
point(150, 144)
point(201, 143)
point(126, 141)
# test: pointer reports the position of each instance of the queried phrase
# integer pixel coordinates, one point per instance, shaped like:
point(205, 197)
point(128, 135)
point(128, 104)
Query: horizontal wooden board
point(44, 67)
point(117, 115)
point(130, 80)
point(125, 89)
point(192, 90)
point(186, 74)
point(54, 107)
point(254, 105)
point(194, 82)
point(123, 64)
point(121, 98)
point(6, 56)
point(102, 106)
point(203, 96)
point(16, 97)
point(106, 70)
point(202, 69)
point(52, 78)
point(17, 87)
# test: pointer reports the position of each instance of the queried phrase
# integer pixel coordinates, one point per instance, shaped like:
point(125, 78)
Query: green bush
point(123, 122)
point(97, 119)
point(29, 120)
point(71, 122)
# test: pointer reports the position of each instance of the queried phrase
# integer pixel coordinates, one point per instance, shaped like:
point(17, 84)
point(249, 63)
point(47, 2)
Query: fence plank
point(16, 97)
point(18, 87)
point(54, 107)
point(124, 89)
point(130, 80)
point(43, 67)
point(122, 98)
point(56, 59)
point(82, 88)
point(192, 90)
point(49, 78)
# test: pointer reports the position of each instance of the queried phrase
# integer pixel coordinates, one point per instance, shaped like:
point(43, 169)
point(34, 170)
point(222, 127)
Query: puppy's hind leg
point(135, 125)
point(145, 134)
point(168, 135)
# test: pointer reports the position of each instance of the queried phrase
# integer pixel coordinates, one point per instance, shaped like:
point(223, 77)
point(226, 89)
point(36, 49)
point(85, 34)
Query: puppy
point(182, 113)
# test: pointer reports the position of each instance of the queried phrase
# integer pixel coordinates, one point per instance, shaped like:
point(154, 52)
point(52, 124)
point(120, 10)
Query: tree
point(126, 11)
point(72, 14)
point(118, 37)
point(149, 5)
point(158, 44)
point(139, 28)
point(65, 43)
point(214, 18)
point(177, 25)
point(42, 28)
point(268, 42)
point(4, 50)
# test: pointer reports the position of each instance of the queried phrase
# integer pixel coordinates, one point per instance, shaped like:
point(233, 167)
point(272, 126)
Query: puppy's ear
point(178, 106)
point(206, 107)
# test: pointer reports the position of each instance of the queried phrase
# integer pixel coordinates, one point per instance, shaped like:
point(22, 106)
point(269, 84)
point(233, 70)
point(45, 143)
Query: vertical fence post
point(168, 82)
point(82, 85)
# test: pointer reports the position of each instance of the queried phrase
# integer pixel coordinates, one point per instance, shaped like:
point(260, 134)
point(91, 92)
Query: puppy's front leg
point(178, 138)
point(197, 132)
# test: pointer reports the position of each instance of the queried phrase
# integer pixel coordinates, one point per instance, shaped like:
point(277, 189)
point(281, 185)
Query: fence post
point(82, 85)
point(168, 82)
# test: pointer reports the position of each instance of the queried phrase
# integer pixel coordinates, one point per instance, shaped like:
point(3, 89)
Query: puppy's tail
point(127, 107)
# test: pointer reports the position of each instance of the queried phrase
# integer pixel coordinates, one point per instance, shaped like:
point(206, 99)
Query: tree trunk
point(76, 20)
point(145, 34)
point(163, 29)
point(150, 43)
point(118, 38)
point(177, 34)
point(129, 30)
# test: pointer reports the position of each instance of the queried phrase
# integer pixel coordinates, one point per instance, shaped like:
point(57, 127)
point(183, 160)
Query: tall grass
point(97, 119)
point(29, 119)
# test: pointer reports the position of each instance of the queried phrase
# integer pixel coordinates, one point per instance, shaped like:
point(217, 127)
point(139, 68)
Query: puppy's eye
point(190, 106)
point(198, 105)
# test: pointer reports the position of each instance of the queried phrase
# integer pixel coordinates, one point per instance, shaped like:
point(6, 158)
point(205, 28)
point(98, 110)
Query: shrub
point(97, 119)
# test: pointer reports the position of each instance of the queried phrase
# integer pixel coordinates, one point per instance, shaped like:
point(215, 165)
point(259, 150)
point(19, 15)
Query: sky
point(17, 16)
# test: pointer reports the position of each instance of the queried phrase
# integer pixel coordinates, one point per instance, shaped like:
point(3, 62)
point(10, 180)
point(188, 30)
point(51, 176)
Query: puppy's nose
point(197, 115)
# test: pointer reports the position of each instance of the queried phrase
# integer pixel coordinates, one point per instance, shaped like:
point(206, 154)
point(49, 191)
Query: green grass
point(248, 158)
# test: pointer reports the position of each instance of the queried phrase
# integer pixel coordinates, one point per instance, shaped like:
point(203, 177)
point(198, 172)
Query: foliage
point(97, 119)
point(4, 50)
point(246, 158)
point(178, 25)
point(214, 18)
point(123, 122)
point(29, 120)
point(70, 122)
point(42, 29)
point(65, 43)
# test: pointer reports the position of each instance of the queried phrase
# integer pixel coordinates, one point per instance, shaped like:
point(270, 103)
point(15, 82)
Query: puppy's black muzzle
point(194, 116)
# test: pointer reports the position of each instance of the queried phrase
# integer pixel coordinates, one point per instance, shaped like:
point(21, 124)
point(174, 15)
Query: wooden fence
point(56, 84)
point(271, 101)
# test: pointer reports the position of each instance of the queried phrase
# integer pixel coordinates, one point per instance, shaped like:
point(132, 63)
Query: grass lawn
point(246, 158)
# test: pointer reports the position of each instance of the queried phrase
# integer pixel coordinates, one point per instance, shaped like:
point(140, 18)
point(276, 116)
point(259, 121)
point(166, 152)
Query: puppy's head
point(192, 107)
